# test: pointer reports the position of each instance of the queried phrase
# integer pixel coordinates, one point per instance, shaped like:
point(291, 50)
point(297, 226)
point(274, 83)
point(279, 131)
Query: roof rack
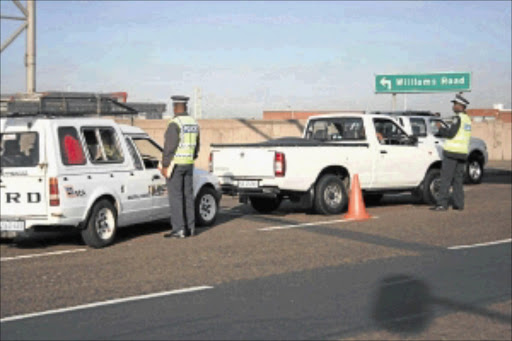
point(405, 113)
point(63, 104)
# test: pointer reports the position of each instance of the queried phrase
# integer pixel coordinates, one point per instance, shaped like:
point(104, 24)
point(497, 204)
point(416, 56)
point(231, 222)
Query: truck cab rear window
point(336, 129)
point(19, 149)
point(71, 151)
point(102, 145)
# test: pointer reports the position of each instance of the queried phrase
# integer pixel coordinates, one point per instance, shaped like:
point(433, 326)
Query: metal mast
point(29, 18)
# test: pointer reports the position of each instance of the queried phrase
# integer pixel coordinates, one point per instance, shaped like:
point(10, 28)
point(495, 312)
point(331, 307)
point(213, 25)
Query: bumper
point(265, 191)
point(26, 226)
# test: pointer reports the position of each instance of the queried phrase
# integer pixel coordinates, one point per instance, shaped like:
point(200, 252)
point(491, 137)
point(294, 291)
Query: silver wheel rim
point(434, 187)
point(207, 207)
point(332, 195)
point(474, 170)
point(105, 223)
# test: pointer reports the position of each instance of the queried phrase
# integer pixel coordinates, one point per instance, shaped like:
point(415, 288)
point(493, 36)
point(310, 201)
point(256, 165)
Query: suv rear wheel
point(474, 171)
point(102, 225)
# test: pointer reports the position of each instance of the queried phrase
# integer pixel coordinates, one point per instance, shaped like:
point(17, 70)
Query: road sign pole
point(394, 102)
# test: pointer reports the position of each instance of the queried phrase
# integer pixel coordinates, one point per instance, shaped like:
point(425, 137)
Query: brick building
point(300, 114)
point(483, 115)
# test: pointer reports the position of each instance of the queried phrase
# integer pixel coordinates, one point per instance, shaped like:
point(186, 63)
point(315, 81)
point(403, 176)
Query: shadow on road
point(404, 304)
point(497, 176)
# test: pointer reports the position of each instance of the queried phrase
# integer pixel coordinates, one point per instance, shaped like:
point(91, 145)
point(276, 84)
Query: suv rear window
point(71, 151)
point(19, 149)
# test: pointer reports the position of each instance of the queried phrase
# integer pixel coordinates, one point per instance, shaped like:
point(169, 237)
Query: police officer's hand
point(163, 171)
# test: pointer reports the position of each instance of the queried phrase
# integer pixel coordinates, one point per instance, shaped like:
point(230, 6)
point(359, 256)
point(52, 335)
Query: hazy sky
point(252, 56)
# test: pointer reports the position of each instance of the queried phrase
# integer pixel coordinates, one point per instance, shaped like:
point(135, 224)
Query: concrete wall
point(496, 134)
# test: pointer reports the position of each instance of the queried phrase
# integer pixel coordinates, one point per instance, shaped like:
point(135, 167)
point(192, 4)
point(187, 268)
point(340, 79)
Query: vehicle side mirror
point(413, 140)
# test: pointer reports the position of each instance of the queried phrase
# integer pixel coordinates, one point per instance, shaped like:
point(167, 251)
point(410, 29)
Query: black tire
point(265, 205)
point(430, 186)
point(101, 227)
point(474, 171)
point(206, 207)
point(372, 198)
point(330, 195)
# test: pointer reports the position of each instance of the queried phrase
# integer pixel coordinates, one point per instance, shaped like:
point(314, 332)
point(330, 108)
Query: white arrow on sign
point(385, 83)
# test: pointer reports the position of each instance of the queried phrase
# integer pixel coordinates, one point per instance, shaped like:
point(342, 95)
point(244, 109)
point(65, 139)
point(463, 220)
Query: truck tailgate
point(243, 162)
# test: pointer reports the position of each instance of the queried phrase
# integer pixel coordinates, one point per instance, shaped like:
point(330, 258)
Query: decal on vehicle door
point(72, 193)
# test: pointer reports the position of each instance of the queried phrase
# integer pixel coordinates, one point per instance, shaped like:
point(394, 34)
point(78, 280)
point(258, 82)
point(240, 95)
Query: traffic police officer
point(455, 153)
point(181, 147)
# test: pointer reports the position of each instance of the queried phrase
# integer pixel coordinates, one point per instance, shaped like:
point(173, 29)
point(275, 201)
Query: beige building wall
point(496, 134)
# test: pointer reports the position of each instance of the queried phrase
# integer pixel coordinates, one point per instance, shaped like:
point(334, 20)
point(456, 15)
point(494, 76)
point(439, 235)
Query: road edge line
point(104, 303)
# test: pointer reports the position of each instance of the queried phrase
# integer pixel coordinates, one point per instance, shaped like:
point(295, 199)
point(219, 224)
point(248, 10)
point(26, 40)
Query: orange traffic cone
point(356, 208)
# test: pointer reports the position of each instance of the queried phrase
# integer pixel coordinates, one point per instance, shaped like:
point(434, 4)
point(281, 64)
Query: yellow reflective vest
point(189, 131)
point(460, 142)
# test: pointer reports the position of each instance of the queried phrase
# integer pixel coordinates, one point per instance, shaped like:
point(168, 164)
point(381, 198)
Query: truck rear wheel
point(431, 186)
point(265, 205)
point(330, 195)
point(102, 225)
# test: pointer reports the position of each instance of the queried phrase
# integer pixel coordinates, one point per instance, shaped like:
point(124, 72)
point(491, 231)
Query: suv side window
point(71, 151)
point(434, 126)
point(133, 153)
point(419, 127)
point(102, 145)
point(149, 151)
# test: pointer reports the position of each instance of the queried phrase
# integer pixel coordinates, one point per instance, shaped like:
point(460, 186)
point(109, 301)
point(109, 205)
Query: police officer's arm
point(171, 142)
point(452, 130)
point(196, 151)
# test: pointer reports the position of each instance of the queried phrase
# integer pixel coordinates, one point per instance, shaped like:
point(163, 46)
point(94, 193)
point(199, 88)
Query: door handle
point(156, 177)
point(437, 142)
point(383, 151)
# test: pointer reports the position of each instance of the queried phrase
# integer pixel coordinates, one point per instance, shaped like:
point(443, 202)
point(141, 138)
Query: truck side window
point(419, 127)
point(133, 153)
point(151, 154)
point(336, 129)
point(388, 132)
point(71, 151)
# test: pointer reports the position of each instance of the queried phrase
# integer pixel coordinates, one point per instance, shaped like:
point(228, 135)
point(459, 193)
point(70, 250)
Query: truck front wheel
point(330, 195)
point(265, 205)
point(102, 225)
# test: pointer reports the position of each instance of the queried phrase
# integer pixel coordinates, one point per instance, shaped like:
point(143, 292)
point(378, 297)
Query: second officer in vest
point(455, 153)
point(181, 147)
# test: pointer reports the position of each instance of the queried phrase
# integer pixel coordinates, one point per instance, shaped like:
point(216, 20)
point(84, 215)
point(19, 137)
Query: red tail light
point(210, 162)
point(279, 164)
point(54, 192)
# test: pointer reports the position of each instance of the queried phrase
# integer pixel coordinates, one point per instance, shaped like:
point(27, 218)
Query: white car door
point(399, 163)
point(138, 201)
point(151, 153)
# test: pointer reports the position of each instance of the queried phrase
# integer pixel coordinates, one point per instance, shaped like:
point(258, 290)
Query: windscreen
point(19, 149)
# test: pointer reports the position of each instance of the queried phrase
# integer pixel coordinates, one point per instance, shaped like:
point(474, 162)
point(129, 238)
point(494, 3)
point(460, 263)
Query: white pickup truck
point(317, 169)
point(424, 125)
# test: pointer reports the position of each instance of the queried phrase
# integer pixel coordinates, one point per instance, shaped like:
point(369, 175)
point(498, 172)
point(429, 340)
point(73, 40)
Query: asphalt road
point(406, 273)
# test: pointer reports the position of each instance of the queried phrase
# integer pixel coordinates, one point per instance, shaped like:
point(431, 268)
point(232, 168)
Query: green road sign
point(426, 82)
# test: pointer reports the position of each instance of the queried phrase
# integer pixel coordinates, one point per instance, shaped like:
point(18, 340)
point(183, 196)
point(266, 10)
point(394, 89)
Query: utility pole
point(29, 19)
point(197, 104)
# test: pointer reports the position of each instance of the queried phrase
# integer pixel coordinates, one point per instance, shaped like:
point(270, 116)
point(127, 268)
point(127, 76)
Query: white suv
point(87, 173)
point(424, 125)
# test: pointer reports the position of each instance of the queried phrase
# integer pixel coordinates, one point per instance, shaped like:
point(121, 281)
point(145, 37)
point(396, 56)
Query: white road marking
point(458, 247)
point(285, 227)
point(104, 303)
point(5, 259)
